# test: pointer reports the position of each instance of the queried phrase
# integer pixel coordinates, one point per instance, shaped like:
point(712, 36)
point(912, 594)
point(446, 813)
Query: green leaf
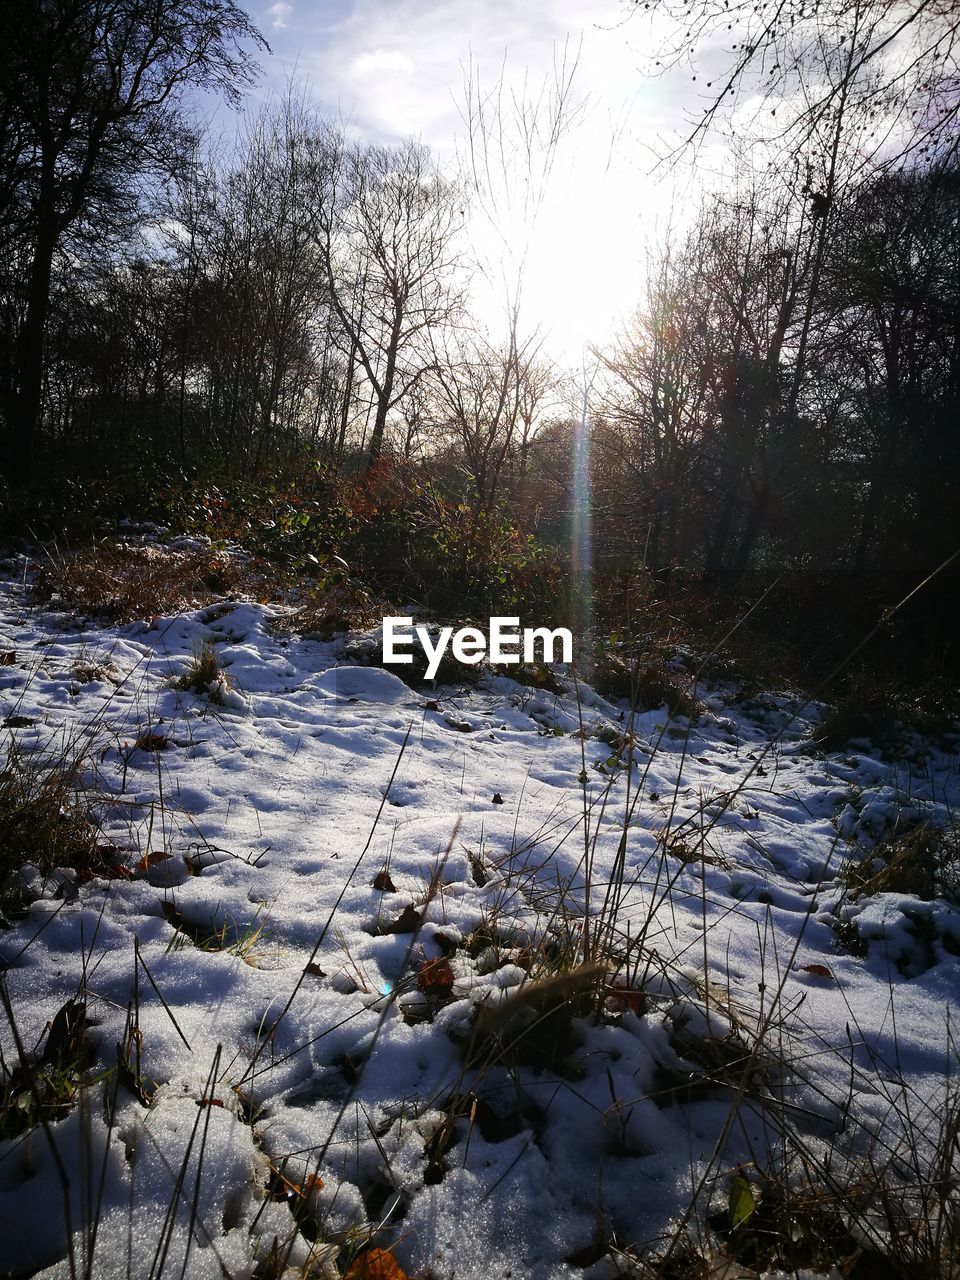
point(742, 1203)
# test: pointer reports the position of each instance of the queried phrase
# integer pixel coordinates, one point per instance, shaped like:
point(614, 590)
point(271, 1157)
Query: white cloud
point(382, 61)
point(278, 14)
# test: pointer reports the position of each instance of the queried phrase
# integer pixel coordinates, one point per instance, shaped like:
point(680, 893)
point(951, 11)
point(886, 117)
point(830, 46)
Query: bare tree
point(386, 224)
point(657, 397)
point(891, 296)
point(89, 102)
point(890, 65)
point(484, 391)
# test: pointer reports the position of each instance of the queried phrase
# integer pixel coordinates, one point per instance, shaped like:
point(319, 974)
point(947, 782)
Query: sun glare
point(577, 264)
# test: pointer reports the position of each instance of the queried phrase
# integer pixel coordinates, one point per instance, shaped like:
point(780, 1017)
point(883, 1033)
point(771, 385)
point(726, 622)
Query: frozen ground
point(369, 1095)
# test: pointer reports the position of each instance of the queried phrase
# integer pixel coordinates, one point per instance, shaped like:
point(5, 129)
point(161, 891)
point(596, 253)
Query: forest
point(286, 320)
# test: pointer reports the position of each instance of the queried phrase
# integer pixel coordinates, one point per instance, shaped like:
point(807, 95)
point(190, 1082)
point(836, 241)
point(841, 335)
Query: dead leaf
point(375, 1264)
point(8, 659)
point(818, 970)
point(383, 882)
point(628, 997)
point(151, 742)
point(351, 1065)
point(132, 1081)
point(436, 978)
point(314, 970)
point(115, 871)
point(210, 1102)
point(409, 921)
point(279, 1186)
point(142, 868)
point(65, 1035)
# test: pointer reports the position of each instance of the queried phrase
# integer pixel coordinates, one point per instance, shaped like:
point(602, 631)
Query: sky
point(394, 68)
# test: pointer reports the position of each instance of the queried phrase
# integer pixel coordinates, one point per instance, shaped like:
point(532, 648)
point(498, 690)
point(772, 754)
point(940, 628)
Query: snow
point(275, 803)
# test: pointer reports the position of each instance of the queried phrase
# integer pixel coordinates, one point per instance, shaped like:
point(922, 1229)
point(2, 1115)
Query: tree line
point(786, 395)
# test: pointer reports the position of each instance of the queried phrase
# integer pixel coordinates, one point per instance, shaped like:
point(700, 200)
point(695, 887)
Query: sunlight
point(581, 546)
point(576, 282)
point(580, 256)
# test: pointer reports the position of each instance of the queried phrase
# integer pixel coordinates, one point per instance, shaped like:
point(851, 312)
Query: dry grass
point(890, 1214)
point(127, 583)
point(647, 683)
point(332, 602)
point(45, 819)
point(203, 674)
point(534, 675)
point(44, 1087)
point(805, 1213)
point(923, 861)
point(885, 713)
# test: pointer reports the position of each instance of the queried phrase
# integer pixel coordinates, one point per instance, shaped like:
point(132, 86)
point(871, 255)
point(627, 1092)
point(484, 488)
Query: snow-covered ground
point(501, 824)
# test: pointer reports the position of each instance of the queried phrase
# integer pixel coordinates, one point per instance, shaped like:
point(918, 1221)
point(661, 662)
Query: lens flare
point(581, 551)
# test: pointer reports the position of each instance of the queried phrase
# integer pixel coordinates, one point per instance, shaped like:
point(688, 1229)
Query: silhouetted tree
point(386, 224)
point(90, 101)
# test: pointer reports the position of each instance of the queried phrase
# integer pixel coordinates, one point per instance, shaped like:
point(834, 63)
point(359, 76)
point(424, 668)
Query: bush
point(203, 675)
point(129, 583)
point(45, 820)
point(923, 861)
point(883, 712)
point(647, 683)
point(390, 534)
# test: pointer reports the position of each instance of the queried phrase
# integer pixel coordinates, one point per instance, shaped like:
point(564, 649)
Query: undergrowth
point(922, 860)
point(123, 582)
point(45, 819)
point(885, 712)
point(203, 675)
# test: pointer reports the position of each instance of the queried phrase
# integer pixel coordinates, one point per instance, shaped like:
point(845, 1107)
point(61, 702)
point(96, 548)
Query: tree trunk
point(383, 401)
point(716, 555)
point(748, 538)
point(345, 406)
point(29, 377)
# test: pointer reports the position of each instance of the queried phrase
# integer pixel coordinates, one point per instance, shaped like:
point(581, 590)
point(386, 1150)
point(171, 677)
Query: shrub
point(923, 861)
point(884, 712)
point(126, 583)
point(336, 601)
point(535, 675)
point(45, 820)
point(391, 533)
point(203, 675)
point(647, 682)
